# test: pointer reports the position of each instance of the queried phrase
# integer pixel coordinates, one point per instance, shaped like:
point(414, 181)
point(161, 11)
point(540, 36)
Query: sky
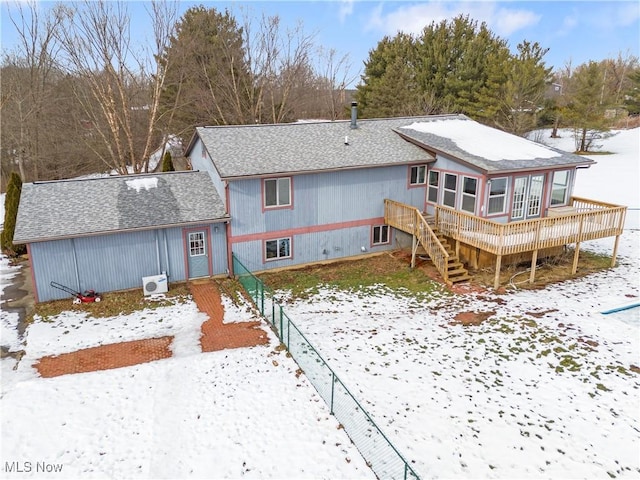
point(543, 388)
point(574, 31)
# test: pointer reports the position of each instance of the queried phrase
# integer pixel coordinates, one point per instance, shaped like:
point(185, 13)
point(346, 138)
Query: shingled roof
point(254, 150)
point(484, 148)
point(76, 208)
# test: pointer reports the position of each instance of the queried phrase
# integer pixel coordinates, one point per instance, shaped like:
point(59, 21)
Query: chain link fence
point(377, 450)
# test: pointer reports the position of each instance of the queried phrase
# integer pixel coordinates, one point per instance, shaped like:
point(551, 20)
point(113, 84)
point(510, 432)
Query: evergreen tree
point(167, 162)
point(585, 111)
point(632, 96)
point(11, 203)
point(455, 58)
point(514, 90)
point(207, 76)
point(389, 86)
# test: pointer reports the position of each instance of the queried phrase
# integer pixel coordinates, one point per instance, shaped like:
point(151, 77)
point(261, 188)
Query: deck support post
point(496, 281)
point(458, 248)
point(534, 261)
point(476, 258)
point(576, 254)
point(615, 251)
point(414, 247)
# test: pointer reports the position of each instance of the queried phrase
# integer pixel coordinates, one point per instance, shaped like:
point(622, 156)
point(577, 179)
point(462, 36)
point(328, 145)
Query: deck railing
point(586, 220)
point(409, 219)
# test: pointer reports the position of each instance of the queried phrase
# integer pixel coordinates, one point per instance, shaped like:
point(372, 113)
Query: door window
point(196, 244)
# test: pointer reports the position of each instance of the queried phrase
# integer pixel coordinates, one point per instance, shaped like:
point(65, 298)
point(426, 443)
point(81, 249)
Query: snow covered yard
point(227, 414)
point(545, 386)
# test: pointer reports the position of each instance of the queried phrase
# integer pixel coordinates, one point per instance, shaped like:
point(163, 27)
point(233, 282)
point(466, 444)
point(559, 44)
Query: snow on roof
point(138, 184)
point(482, 141)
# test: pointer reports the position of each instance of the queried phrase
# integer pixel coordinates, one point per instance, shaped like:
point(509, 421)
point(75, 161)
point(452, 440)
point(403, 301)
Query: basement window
point(278, 248)
point(380, 235)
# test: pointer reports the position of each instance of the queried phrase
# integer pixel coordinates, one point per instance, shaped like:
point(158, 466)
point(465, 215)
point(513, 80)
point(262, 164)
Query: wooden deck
point(581, 220)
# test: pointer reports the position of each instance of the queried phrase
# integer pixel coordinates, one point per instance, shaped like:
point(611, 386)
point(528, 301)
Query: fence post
point(288, 333)
point(333, 386)
point(281, 332)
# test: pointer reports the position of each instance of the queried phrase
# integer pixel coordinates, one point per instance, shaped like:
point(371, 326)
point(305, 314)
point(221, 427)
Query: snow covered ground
point(228, 414)
point(543, 388)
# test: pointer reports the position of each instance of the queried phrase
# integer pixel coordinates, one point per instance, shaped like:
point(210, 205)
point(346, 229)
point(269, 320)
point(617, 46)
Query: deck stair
point(455, 268)
point(426, 237)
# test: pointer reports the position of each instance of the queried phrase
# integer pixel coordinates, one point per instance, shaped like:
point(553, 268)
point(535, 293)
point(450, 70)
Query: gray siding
point(204, 164)
point(322, 199)
point(327, 204)
point(311, 247)
point(445, 163)
point(117, 262)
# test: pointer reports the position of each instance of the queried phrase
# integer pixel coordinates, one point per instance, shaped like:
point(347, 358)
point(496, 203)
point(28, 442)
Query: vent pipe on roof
point(354, 114)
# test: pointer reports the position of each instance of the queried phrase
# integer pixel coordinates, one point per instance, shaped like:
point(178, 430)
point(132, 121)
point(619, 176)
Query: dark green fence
point(380, 454)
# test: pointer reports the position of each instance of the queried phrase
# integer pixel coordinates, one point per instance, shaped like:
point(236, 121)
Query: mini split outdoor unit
point(155, 284)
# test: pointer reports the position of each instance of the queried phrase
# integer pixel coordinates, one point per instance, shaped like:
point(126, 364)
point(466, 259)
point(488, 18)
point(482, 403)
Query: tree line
point(460, 66)
point(83, 94)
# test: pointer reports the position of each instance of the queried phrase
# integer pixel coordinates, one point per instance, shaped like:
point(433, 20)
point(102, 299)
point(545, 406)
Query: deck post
point(496, 281)
point(576, 254)
point(414, 247)
point(615, 251)
point(457, 248)
point(476, 258)
point(534, 260)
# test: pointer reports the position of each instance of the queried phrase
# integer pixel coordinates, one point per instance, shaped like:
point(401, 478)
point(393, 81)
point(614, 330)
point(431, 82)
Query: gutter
point(23, 241)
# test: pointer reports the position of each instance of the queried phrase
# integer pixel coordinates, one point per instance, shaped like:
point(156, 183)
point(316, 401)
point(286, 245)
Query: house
point(279, 196)
point(310, 192)
point(108, 233)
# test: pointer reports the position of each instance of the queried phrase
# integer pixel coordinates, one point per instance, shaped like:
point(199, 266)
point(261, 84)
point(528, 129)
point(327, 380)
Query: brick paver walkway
point(215, 336)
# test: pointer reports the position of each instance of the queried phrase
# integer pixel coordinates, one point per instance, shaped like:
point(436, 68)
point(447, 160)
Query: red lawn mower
point(89, 296)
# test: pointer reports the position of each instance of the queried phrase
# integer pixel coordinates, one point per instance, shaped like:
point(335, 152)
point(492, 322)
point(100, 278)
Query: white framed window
point(497, 195)
point(536, 184)
point(197, 245)
point(450, 187)
point(434, 184)
point(560, 187)
point(418, 175)
point(519, 189)
point(469, 192)
point(380, 234)
point(277, 192)
point(277, 248)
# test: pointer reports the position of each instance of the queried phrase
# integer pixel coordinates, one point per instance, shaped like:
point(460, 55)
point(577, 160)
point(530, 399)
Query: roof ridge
point(111, 177)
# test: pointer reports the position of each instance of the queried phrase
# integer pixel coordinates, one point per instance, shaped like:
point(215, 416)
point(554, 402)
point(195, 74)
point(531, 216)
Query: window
point(277, 192)
point(450, 184)
point(196, 244)
point(434, 183)
point(418, 175)
point(519, 188)
point(280, 248)
point(380, 234)
point(535, 195)
point(497, 195)
point(560, 187)
point(469, 186)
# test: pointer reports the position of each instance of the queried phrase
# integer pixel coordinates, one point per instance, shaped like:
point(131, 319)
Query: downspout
point(158, 252)
point(228, 231)
point(75, 264)
point(166, 253)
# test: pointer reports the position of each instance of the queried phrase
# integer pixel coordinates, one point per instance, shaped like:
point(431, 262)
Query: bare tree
point(336, 75)
point(27, 85)
point(119, 81)
point(280, 62)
